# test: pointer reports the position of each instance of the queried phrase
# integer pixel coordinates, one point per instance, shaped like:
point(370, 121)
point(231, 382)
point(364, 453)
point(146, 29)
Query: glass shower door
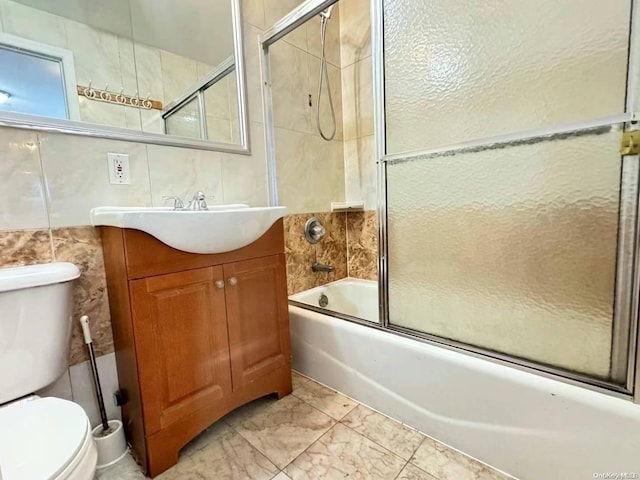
point(511, 221)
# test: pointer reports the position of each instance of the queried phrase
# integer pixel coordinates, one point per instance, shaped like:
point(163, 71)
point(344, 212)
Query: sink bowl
point(222, 228)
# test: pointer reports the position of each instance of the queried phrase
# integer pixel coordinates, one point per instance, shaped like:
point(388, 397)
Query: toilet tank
point(35, 326)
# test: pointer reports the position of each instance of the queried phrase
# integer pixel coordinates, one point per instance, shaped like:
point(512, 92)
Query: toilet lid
point(40, 437)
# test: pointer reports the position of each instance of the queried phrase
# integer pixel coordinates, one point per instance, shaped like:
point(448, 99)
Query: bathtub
point(349, 296)
point(522, 423)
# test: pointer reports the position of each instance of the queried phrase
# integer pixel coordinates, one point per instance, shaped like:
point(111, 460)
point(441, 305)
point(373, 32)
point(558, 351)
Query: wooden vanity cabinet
point(195, 335)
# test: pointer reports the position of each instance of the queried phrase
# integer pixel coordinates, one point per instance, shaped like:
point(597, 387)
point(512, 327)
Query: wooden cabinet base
point(163, 447)
point(195, 336)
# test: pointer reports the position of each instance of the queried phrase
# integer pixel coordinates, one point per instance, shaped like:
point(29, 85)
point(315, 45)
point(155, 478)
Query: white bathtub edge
point(489, 411)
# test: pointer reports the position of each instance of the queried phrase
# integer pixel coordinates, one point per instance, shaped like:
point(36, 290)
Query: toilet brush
point(84, 321)
point(109, 436)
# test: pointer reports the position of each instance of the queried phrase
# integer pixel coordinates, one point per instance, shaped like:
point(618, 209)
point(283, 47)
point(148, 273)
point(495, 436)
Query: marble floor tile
point(445, 463)
point(211, 434)
point(125, 469)
point(298, 380)
point(342, 453)
point(184, 470)
point(411, 472)
point(285, 429)
point(229, 456)
point(240, 414)
point(282, 476)
point(255, 441)
point(324, 399)
point(392, 435)
point(218, 453)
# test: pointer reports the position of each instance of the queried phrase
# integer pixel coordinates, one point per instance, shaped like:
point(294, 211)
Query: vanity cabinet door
point(258, 317)
point(180, 329)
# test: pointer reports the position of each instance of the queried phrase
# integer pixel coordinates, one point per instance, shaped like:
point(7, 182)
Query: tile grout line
point(401, 470)
point(357, 433)
point(424, 437)
point(340, 421)
point(365, 405)
point(335, 422)
point(347, 426)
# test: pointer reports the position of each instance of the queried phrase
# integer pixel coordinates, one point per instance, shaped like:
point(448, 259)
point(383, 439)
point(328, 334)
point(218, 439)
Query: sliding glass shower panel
point(459, 70)
point(186, 121)
point(510, 249)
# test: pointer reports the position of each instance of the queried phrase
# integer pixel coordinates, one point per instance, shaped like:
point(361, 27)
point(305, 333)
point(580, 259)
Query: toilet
point(40, 438)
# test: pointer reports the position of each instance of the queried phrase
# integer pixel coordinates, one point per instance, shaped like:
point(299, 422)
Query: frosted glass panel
point(185, 122)
point(458, 70)
point(511, 249)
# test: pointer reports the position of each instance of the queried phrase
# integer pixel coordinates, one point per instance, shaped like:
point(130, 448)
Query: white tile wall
point(360, 171)
point(244, 178)
point(61, 388)
point(181, 172)
point(355, 31)
point(31, 23)
point(77, 177)
point(96, 55)
point(357, 102)
point(252, 53)
point(76, 384)
point(23, 205)
point(83, 390)
point(57, 179)
point(357, 93)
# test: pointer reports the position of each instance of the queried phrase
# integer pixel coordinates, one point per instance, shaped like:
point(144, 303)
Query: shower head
point(326, 14)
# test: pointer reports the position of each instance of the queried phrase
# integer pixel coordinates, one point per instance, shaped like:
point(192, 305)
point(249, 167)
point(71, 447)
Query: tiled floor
point(314, 434)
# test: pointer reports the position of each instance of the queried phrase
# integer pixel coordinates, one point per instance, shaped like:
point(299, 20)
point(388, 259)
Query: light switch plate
point(119, 173)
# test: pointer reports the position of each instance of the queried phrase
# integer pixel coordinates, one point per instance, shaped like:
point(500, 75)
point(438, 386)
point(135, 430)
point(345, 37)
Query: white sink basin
point(222, 228)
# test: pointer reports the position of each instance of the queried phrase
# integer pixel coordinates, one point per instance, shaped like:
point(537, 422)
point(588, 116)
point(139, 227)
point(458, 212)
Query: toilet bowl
point(46, 438)
point(40, 438)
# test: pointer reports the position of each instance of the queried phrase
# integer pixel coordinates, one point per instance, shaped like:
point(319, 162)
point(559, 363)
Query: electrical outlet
point(119, 173)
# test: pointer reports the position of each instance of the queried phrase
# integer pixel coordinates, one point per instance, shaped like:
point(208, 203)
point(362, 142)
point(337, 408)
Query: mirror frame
point(75, 127)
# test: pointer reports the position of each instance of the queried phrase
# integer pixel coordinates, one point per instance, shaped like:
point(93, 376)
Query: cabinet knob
point(219, 284)
point(233, 281)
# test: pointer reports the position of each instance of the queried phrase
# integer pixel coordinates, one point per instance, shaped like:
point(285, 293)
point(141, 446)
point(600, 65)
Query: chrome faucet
point(177, 203)
point(320, 267)
point(198, 202)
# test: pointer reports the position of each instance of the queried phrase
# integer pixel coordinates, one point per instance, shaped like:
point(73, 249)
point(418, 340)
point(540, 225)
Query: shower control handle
point(314, 230)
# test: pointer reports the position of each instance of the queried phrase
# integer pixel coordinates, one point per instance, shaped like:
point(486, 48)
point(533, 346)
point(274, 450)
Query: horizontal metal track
point(594, 127)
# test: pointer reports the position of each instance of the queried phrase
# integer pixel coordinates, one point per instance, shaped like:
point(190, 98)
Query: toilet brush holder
point(111, 444)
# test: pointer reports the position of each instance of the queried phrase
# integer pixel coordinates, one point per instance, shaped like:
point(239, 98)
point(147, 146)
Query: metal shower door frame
point(310, 9)
point(627, 265)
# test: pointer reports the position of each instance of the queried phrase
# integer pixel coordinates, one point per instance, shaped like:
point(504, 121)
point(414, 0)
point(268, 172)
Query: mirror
point(167, 71)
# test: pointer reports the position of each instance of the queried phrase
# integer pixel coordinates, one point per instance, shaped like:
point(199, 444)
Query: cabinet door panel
point(181, 341)
point(258, 317)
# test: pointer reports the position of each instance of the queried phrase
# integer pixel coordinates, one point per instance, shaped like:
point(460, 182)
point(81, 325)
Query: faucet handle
point(198, 202)
point(177, 203)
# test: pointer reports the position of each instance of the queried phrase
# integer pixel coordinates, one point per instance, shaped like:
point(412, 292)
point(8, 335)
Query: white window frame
point(62, 55)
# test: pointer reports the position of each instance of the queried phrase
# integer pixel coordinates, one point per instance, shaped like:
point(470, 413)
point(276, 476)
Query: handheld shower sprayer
point(324, 77)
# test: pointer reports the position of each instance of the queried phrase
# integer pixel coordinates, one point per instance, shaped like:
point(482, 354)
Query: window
point(37, 79)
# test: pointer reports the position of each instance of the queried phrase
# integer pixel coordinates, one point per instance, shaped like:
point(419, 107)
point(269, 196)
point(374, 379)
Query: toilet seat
point(45, 438)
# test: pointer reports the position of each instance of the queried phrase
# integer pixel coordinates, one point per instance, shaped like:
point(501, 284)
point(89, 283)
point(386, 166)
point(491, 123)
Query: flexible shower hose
point(324, 75)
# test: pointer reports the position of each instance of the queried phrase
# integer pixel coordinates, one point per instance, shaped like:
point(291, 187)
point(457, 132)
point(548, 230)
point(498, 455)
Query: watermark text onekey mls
point(616, 475)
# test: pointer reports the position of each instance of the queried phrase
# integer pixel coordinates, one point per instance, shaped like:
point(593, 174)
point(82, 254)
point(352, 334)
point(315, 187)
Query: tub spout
point(319, 267)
